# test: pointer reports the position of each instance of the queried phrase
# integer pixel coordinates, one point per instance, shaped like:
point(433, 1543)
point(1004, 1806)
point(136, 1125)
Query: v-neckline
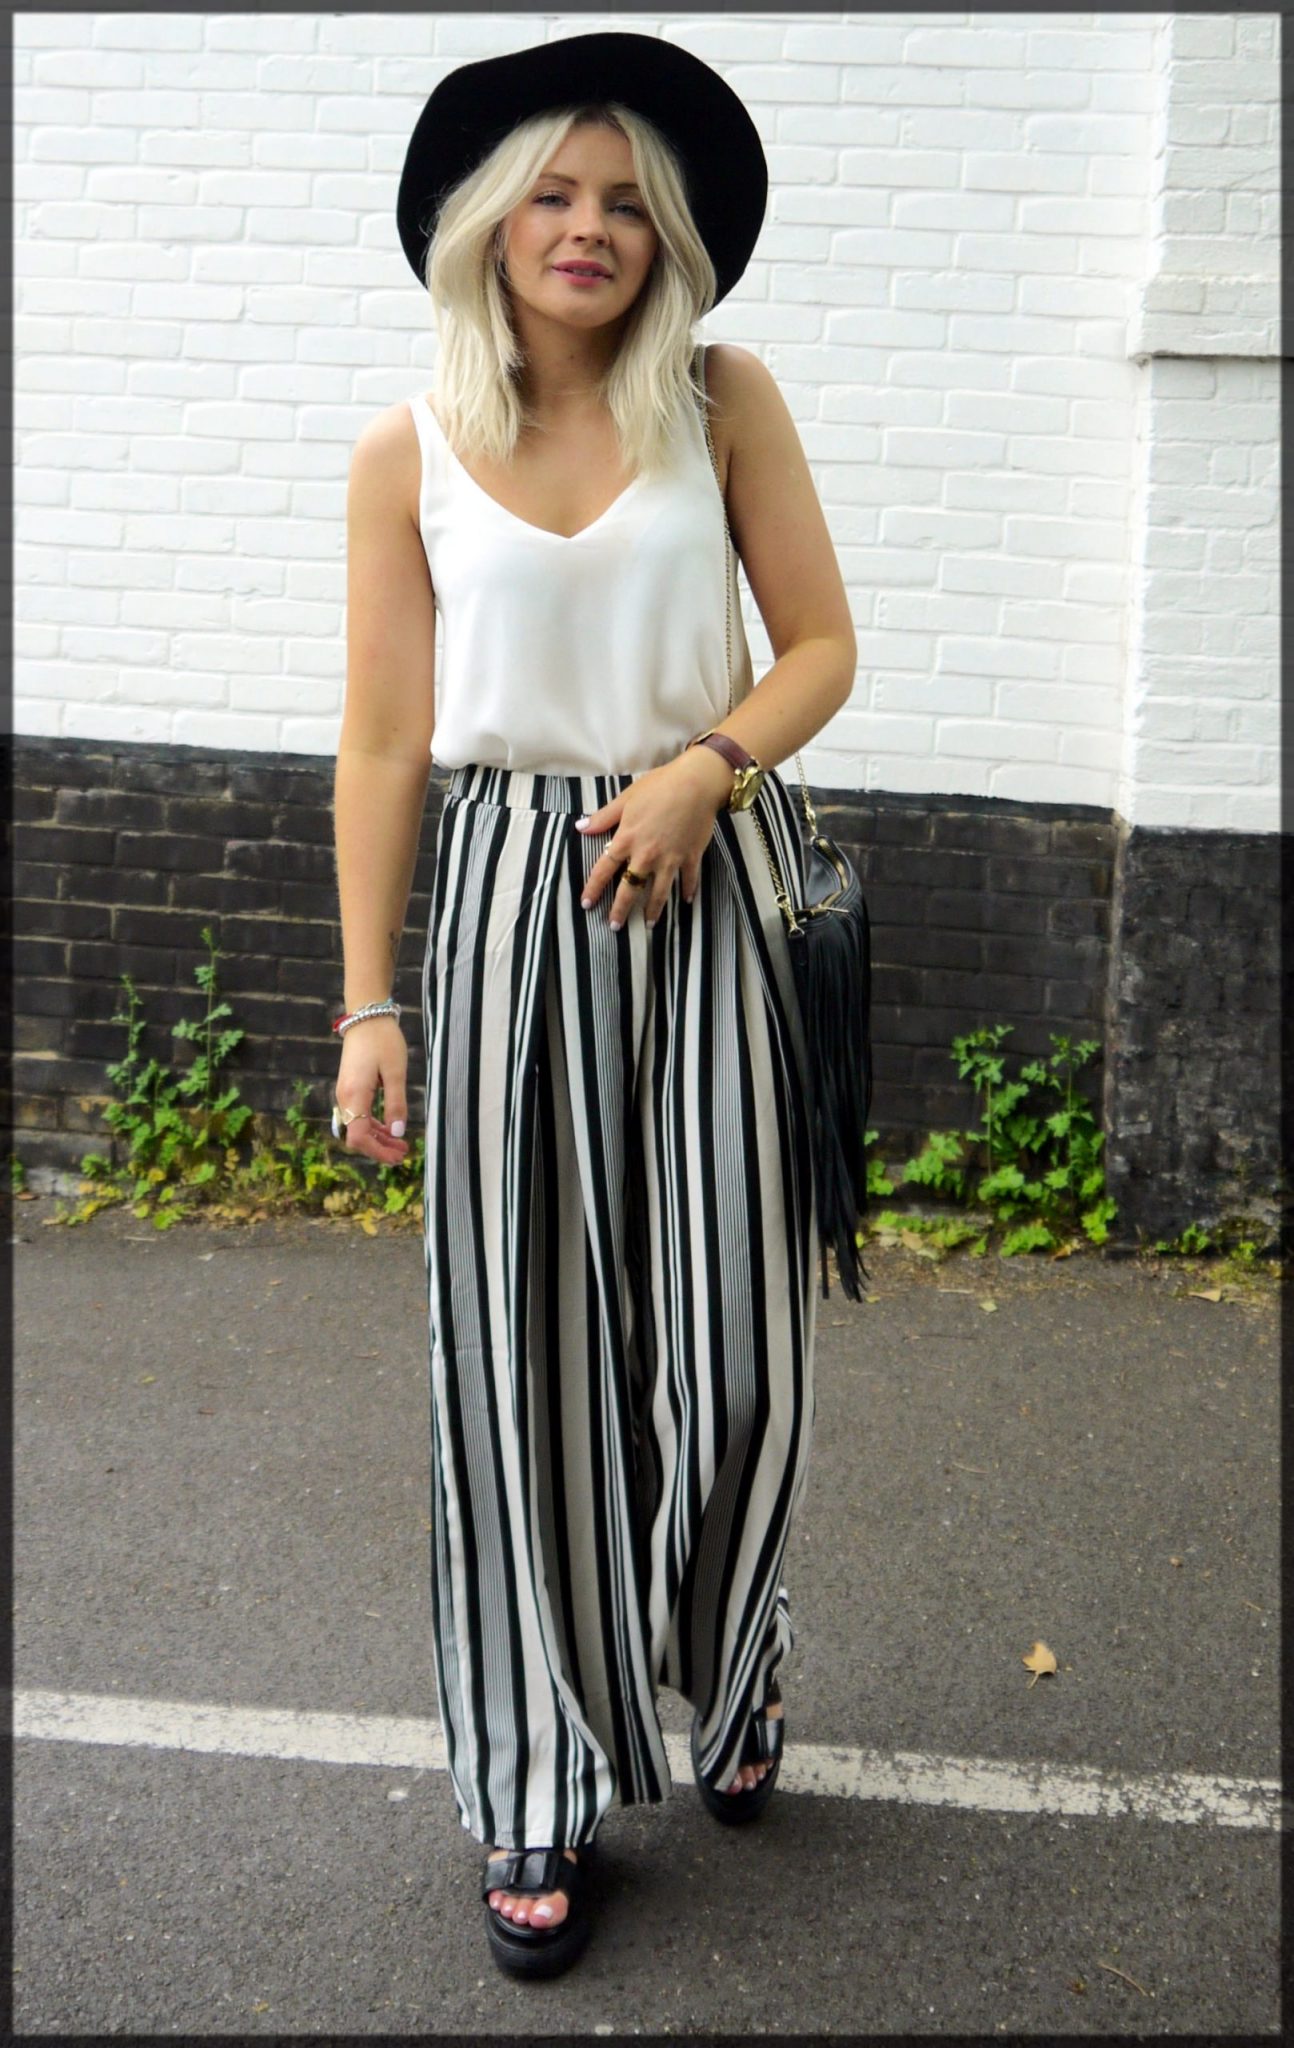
point(544, 532)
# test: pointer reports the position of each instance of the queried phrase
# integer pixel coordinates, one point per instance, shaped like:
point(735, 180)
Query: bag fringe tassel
point(833, 980)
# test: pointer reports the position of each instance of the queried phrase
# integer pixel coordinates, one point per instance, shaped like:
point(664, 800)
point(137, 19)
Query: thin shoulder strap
point(703, 408)
point(431, 442)
point(730, 558)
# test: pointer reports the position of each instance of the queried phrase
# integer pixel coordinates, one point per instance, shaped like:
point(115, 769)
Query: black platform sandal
point(763, 1745)
point(525, 1950)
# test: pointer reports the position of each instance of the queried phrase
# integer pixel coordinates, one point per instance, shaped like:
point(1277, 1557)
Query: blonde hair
point(649, 379)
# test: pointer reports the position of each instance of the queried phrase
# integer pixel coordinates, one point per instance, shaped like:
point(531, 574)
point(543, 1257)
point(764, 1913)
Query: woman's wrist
point(713, 773)
point(384, 1006)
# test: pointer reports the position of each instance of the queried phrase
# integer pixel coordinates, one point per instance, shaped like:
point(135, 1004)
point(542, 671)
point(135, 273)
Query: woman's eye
point(637, 210)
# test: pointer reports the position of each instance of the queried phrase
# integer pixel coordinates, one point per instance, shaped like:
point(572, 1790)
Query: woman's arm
point(384, 748)
point(663, 823)
point(781, 535)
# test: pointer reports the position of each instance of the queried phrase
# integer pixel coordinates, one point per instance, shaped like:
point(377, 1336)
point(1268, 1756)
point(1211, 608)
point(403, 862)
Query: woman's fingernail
point(397, 1128)
point(585, 902)
point(580, 823)
point(615, 924)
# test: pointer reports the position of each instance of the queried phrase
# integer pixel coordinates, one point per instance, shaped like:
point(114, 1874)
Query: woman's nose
point(587, 220)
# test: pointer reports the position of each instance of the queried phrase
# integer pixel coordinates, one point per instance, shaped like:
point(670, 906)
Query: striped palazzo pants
point(620, 1256)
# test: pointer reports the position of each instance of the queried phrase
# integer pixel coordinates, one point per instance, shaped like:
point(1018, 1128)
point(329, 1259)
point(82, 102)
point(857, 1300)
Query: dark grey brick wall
point(121, 855)
point(1193, 1051)
point(982, 913)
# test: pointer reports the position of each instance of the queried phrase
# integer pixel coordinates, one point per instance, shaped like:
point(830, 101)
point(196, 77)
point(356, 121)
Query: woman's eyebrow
point(622, 185)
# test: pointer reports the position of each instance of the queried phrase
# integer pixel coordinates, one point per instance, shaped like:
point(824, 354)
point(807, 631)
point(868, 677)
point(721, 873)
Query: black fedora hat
point(477, 104)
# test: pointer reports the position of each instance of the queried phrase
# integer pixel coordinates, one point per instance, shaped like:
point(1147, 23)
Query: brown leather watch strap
point(733, 753)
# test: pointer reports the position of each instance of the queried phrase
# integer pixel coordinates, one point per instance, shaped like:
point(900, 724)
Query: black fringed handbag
point(829, 942)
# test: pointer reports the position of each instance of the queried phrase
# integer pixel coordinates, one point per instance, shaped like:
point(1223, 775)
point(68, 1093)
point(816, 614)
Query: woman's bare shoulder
point(744, 397)
point(387, 458)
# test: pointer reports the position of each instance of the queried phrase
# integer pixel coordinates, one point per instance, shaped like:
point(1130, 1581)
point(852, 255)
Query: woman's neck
point(562, 374)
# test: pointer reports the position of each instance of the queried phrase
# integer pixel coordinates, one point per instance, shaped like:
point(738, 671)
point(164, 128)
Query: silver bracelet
point(387, 1008)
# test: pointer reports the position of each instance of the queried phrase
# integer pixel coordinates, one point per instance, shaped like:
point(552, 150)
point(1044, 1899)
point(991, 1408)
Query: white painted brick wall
point(1200, 715)
point(1215, 282)
point(964, 215)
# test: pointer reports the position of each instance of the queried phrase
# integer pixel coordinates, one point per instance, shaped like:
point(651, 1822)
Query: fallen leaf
point(1126, 1978)
point(989, 1307)
point(1174, 1560)
point(1038, 1660)
point(146, 1379)
point(1205, 1293)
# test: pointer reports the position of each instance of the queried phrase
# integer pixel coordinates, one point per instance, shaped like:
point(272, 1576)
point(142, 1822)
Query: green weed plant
point(188, 1141)
point(1031, 1164)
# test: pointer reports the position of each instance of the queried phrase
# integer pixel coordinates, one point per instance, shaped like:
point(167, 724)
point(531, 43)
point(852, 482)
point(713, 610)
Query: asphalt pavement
point(221, 1504)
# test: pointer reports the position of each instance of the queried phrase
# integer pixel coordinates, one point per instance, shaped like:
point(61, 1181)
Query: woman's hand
point(372, 1052)
point(662, 825)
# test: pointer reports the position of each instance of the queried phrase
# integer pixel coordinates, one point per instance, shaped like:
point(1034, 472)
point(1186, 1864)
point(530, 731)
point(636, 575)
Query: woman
point(618, 1200)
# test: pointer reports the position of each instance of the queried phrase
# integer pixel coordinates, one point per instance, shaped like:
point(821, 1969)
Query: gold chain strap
point(784, 902)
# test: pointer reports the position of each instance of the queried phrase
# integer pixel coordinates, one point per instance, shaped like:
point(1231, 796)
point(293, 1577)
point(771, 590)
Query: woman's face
point(585, 209)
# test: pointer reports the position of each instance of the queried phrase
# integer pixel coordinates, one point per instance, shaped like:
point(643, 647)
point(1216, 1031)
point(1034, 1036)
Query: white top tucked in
point(602, 652)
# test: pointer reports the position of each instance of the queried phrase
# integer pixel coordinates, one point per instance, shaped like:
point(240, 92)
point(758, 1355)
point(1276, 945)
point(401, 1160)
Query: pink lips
point(582, 276)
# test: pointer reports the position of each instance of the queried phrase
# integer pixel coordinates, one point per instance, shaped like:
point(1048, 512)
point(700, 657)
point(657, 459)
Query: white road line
point(908, 1777)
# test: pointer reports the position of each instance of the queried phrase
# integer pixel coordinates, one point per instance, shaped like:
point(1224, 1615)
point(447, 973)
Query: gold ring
point(639, 881)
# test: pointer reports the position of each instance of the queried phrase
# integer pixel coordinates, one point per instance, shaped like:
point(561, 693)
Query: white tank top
point(600, 653)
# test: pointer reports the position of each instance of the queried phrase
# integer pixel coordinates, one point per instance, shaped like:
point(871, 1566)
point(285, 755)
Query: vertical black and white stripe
point(620, 1270)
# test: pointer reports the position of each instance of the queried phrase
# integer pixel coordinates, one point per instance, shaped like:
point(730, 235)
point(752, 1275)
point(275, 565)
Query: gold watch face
point(745, 788)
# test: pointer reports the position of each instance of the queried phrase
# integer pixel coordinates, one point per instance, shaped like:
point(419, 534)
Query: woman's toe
point(549, 1911)
point(750, 1775)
